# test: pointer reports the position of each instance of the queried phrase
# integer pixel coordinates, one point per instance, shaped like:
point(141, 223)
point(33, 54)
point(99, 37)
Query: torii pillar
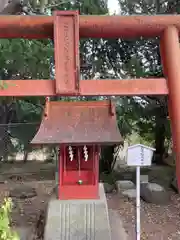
point(170, 54)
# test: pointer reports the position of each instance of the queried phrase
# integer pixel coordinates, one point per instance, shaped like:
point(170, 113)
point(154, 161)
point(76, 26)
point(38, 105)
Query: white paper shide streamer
point(85, 150)
point(71, 155)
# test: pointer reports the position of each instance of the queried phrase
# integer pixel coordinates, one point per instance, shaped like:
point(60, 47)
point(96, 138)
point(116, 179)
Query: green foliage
point(136, 138)
point(94, 7)
point(6, 233)
point(148, 117)
point(25, 59)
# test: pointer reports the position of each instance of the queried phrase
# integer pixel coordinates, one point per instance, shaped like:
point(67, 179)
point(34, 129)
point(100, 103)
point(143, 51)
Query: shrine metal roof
point(78, 122)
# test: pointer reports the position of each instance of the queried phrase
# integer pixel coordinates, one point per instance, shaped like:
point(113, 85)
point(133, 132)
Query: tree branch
point(13, 7)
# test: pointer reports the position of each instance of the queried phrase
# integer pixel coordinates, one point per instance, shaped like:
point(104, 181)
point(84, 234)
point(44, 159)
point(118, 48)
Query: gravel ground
point(158, 222)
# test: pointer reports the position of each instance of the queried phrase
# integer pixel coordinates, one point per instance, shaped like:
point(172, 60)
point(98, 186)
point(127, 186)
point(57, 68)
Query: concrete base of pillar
point(78, 219)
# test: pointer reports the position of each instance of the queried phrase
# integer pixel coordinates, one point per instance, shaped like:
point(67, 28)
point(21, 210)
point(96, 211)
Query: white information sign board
point(139, 155)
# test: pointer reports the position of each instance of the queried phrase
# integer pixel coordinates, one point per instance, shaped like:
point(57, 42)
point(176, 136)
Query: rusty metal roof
point(78, 123)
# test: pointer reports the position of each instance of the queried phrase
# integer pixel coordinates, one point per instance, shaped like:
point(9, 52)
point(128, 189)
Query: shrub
point(6, 232)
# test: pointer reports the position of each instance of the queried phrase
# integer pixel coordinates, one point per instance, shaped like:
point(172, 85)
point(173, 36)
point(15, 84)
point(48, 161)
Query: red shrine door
point(79, 172)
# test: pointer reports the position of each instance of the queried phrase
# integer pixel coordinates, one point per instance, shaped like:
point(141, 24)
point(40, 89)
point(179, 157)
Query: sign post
point(138, 204)
point(137, 156)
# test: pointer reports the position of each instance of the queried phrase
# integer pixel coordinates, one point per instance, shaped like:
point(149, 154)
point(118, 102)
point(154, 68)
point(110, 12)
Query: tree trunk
point(107, 158)
point(160, 135)
point(26, 152)
point(159, 144)
point(10, 7)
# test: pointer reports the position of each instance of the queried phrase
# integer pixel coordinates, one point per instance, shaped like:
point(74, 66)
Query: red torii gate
point(68, 26)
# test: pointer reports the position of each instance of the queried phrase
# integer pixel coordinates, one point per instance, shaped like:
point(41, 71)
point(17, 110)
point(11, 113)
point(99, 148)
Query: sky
point(113, 6)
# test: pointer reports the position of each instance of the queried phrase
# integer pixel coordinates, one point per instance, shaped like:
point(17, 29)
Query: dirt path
point(158, 222)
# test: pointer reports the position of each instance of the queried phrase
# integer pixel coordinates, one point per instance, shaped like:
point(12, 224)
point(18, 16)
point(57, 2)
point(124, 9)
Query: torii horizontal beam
point(38, 27)
point(65, 27)
point(130, 87)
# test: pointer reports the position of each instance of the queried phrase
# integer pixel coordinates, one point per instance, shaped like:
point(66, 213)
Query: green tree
point(141, 58)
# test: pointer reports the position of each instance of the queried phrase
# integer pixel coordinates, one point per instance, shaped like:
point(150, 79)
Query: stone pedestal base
point(78, 219)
